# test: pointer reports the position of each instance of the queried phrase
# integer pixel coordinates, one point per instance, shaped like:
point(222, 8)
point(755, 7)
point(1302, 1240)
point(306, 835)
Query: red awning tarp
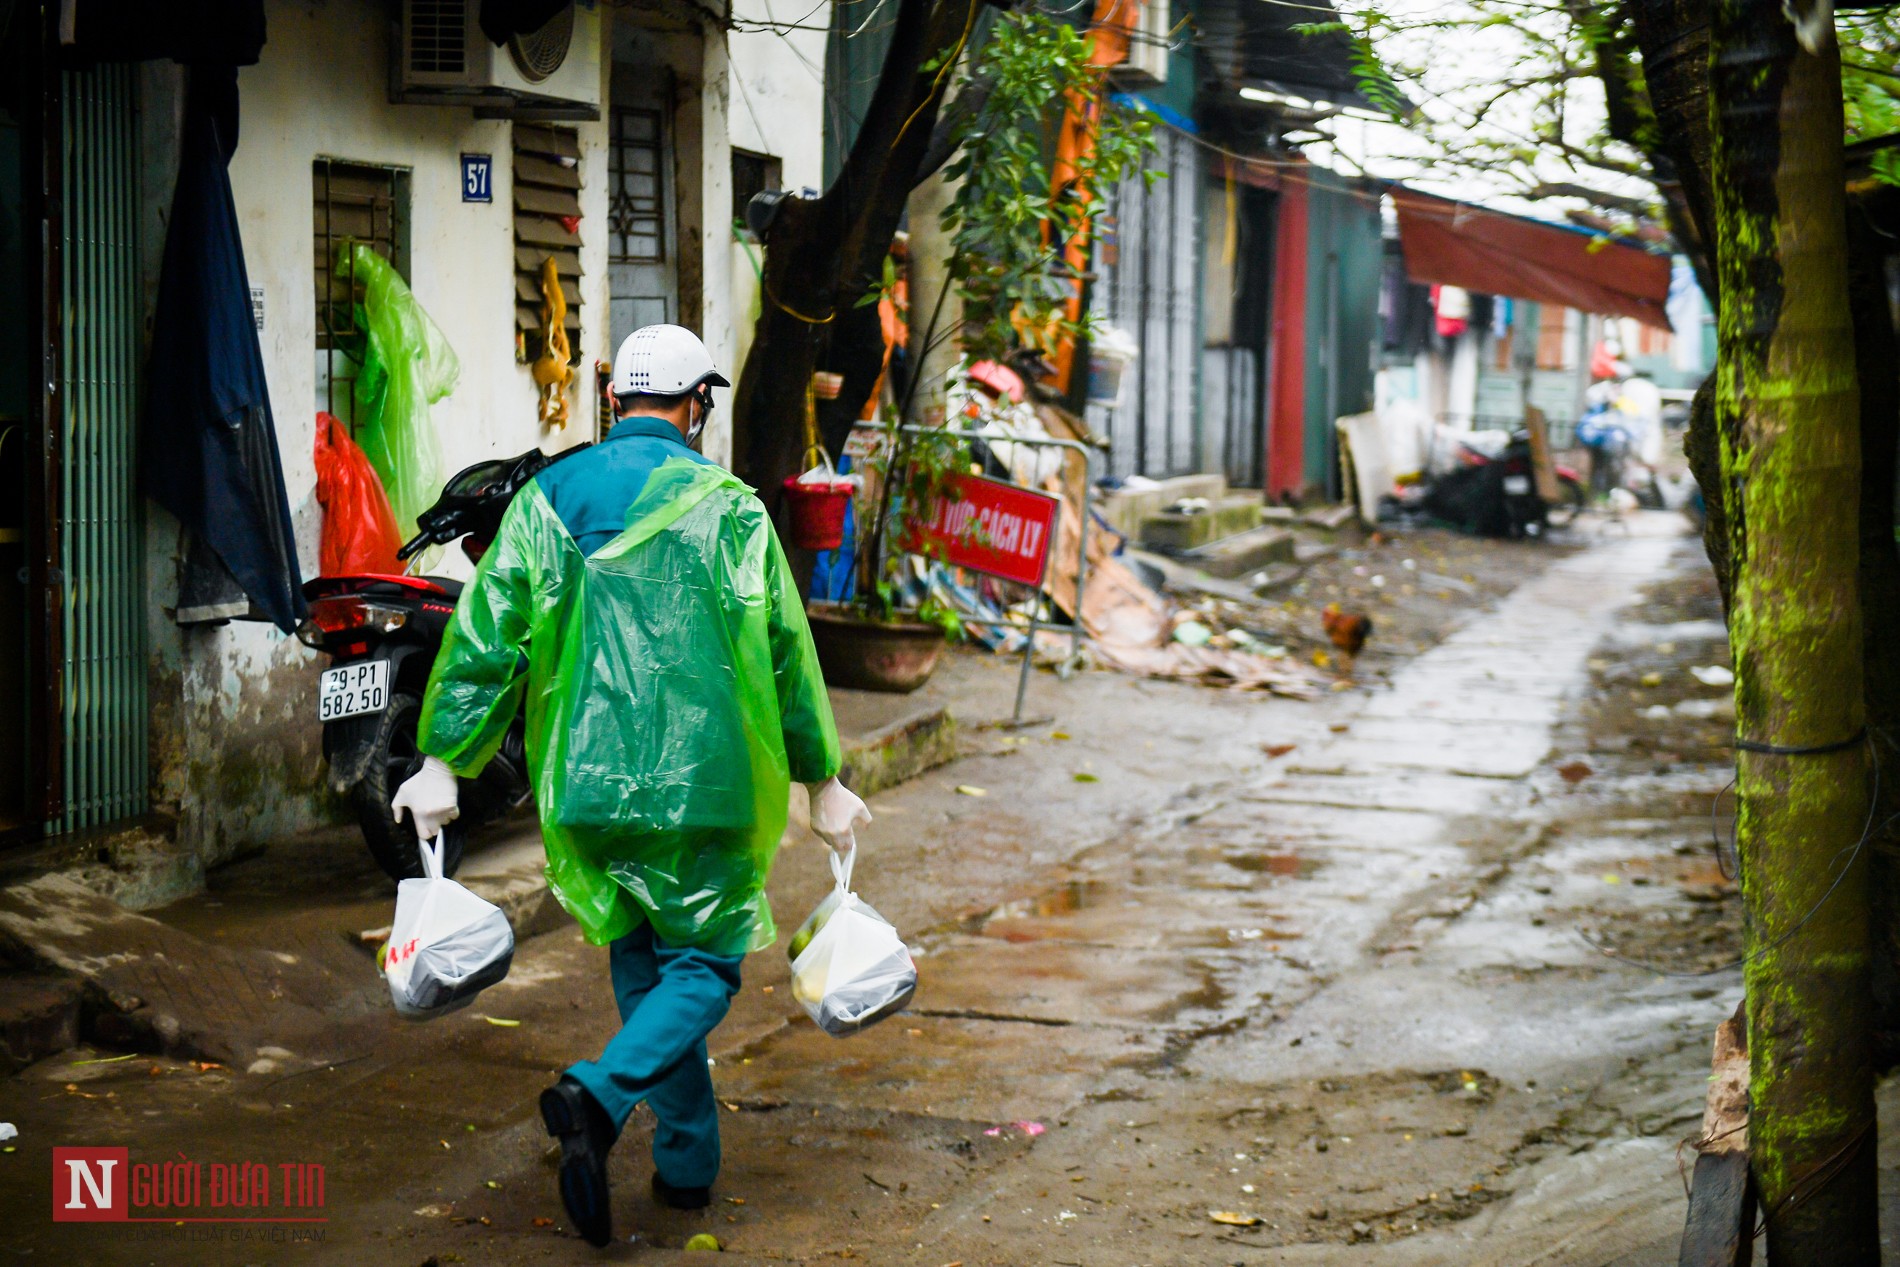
point(1456, 244)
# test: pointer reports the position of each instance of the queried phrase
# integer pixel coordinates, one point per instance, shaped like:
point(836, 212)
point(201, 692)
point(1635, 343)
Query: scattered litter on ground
point(1712, 675)
point(1575, 772)
point(1231, 1219)
point(1277, 749)
point(966, 789)
point(705, 1241)
point(1031, 1129)
point(1083, 776)
point(8, 1131)
point(501, 1021)
point(1192, 633)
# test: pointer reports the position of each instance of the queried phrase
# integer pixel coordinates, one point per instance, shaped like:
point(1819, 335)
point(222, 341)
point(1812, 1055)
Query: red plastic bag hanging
point(359, 529)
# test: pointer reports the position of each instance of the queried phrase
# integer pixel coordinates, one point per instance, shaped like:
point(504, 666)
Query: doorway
point(642, 243)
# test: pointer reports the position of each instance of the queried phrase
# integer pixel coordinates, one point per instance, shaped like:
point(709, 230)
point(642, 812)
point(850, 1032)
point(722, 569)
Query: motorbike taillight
point(347, 613)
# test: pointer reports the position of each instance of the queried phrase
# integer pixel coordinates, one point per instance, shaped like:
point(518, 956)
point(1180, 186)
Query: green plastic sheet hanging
point(407, 366)
point(673, 695)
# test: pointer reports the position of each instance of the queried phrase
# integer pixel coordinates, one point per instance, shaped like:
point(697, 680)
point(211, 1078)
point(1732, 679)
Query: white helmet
point(665, 361)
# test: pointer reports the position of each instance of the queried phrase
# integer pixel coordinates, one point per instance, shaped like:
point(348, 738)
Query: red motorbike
point(382, 634)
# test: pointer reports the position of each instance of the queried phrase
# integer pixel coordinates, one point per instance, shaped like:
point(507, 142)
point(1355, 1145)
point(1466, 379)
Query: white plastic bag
point(850, 969)
point(446, 945)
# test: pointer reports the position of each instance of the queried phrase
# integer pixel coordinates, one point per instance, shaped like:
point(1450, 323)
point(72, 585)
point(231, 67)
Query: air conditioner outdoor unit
point(1147, 44)
point(441, 57)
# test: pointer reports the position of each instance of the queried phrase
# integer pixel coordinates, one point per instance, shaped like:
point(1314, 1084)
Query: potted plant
point(1021, 215)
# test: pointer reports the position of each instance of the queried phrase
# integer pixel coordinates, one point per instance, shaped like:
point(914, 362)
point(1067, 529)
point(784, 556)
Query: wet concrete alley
point(1205, 978)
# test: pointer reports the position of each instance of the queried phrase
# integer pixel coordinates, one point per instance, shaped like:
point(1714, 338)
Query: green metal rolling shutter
point(101, 555)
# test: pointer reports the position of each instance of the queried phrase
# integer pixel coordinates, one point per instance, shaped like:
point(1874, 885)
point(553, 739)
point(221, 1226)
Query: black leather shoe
point(586, 1135)
point(680, 1198)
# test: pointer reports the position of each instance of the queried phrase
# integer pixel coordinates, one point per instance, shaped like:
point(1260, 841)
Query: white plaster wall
point(234, 706)
point(777, 107)
point(321, 90)
point(235, 751)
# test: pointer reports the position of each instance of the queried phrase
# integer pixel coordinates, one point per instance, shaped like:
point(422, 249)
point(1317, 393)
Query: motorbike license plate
point(353, 689)
point(1517, 485)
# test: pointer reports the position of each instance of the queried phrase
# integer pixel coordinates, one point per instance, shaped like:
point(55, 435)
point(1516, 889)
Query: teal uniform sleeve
point(811, 736)
point(481, 672)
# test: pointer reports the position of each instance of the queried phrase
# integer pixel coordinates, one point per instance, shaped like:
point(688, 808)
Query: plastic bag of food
point(359, 529)
point(446, 945)
point(407, 365)
point(850, 969)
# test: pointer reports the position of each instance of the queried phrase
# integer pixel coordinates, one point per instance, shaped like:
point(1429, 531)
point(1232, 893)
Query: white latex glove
point(430, 797)
point(836, 812)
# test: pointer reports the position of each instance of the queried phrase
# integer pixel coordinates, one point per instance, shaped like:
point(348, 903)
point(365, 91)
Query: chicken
point(1348, 630)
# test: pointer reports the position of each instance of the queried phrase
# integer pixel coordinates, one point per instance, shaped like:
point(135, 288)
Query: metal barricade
point(1076, 633)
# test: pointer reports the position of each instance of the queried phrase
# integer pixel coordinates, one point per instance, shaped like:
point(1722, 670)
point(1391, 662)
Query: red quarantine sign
point(988, 526)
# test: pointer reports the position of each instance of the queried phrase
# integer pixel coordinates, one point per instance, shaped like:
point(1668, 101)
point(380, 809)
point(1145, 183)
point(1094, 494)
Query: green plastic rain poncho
point(407, 366)
point(673, 694)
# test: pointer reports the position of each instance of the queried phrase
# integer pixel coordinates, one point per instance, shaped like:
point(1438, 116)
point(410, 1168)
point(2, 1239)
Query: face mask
point(705, 412)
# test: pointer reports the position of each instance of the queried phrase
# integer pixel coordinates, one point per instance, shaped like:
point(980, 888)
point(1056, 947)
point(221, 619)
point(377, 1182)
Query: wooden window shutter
point(547, 208)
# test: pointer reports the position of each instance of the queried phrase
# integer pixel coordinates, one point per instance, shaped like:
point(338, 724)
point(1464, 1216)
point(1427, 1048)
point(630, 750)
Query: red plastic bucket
point(817, 512)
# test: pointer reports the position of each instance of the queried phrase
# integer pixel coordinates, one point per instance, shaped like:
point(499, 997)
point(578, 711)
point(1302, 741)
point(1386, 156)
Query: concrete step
point(890, 739)
point(1244, 552)
point(1307, 553)
point(39, 1015)
point(1179, 532)
point(1331, 518)
point(1127, 508)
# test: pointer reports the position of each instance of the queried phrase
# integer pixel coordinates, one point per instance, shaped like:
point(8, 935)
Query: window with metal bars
point(353, 202)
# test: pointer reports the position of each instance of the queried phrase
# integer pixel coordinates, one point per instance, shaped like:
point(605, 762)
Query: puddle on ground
point(1286, 864)
point(1064, 899)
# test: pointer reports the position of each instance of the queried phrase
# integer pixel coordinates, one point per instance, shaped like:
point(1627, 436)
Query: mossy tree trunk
point(1786, 405)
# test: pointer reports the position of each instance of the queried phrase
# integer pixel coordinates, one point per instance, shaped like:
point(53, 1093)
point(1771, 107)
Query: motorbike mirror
point(473, 480)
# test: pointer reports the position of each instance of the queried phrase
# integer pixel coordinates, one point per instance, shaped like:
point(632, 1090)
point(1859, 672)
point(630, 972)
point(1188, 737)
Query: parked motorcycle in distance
point(382, 634)
point(1492, 491)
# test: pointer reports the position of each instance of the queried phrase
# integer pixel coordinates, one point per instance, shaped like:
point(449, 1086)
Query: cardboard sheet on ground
point(1372, 472)
point(1130, 625)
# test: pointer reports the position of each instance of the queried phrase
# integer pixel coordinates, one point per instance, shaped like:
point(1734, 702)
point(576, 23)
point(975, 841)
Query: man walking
point(638, 602)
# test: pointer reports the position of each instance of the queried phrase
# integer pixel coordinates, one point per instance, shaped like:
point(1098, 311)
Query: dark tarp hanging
point(209, 451)
point(501, 20)
point(195, 32)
